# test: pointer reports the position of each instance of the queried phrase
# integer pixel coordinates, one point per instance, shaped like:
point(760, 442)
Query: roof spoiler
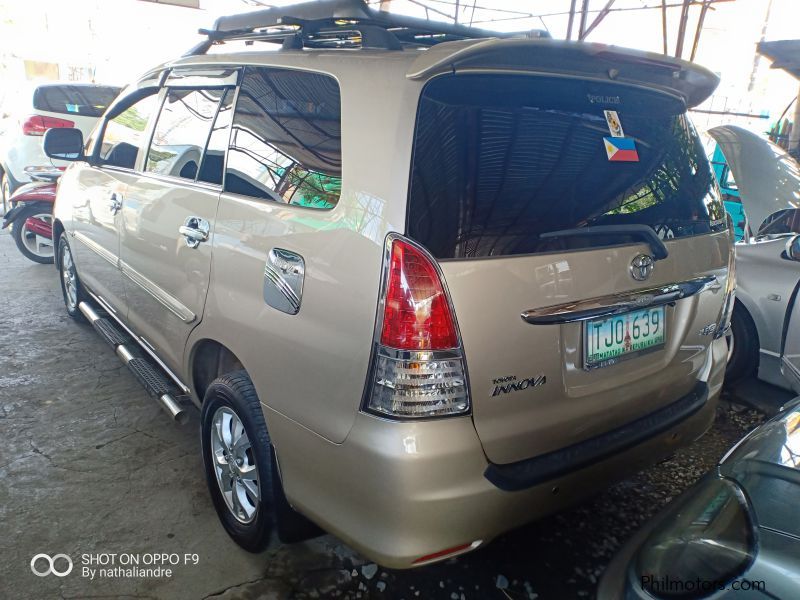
point(339, 23)
point(686, 80)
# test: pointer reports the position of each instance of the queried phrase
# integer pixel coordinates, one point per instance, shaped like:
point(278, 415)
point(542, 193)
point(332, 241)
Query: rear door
point(170, 209)
point(505, 168)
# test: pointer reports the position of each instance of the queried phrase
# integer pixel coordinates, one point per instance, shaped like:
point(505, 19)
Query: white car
point(43, 107)
point(765, 337)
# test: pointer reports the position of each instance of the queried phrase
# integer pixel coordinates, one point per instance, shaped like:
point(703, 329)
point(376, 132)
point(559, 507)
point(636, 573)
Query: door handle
point(195, 230)
point(115, 203)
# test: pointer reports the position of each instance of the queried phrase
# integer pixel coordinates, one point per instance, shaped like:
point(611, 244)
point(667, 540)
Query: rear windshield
point(500, 160)
point(82, 100)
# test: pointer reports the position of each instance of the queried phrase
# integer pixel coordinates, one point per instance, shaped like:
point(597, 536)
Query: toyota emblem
point(641, 267)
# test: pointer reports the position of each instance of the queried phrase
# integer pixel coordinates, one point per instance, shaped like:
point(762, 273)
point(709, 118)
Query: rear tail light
point(38, 124)
point(418, 363)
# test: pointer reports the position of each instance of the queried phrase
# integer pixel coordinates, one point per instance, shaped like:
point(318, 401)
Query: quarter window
point(286, 138)
point(181, 132)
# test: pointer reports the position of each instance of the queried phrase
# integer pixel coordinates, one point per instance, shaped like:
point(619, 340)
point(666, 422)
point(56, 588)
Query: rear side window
point(285, 143)
point(214, 158)
point(181, 132)
point(500, 160)
point(82, 100)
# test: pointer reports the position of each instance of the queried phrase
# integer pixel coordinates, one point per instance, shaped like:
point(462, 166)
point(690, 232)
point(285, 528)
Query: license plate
point(610, 340)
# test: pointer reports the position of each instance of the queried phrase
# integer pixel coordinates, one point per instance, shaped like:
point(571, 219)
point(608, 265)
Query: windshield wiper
point(645, 232)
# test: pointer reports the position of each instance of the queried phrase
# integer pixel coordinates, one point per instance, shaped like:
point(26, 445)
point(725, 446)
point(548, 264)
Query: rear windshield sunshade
point(500, 160)
point(81, 100)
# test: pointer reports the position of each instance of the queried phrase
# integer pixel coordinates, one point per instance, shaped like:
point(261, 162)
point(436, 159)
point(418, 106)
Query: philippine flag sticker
point(621, 149)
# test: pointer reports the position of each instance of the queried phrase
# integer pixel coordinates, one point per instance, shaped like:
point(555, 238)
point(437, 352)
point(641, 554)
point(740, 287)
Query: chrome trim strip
point(108, 304)
point(169, 302)
point(284, 275)
point(137, 339)
point(97, 248)
point(615, 304)
point(272, 276)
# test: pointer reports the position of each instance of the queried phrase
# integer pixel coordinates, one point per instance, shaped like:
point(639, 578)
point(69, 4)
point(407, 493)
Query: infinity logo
point(52, 566)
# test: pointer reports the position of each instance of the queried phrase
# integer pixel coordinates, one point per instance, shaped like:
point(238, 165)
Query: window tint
point(214, 158)
point(82, 100)
point(501, 160)
point(286, 138)
point(181, 132)
point(124, 134)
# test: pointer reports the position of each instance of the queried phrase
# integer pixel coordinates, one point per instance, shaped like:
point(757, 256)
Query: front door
point(103, 187)
point(169, 211)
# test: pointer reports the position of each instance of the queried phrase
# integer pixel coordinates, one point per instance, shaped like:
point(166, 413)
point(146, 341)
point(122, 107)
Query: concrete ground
point(89, 464)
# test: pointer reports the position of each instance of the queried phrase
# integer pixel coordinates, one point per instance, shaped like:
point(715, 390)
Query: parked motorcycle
point(31, 217)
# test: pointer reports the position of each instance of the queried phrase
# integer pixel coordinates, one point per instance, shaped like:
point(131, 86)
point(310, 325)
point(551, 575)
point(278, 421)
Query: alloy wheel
point(235, 465)
point(70, 278)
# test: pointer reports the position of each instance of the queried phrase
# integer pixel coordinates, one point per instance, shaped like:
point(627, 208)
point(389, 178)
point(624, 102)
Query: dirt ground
point(90, 465)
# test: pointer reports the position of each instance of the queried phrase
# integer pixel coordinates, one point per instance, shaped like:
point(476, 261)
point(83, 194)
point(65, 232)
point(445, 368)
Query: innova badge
point(641, 267)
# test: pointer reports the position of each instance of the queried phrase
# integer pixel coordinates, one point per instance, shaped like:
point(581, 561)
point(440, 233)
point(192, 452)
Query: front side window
point(501, 160)
point(123, 135)
point(181, 132)
point(285, 143)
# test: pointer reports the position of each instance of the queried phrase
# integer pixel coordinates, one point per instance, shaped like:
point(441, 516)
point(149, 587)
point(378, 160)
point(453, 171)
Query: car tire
point(5, 192)
point(18, 231)
point(233, 395)
point(743, 337)
point(71, 286)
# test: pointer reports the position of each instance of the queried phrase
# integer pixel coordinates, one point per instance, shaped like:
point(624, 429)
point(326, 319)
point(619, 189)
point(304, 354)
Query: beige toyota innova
point(424, 285)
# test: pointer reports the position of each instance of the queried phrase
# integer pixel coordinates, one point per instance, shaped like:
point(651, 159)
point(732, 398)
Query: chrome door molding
point(614, 304)
point(168, 301)
point(97, 248)
point(283, 280)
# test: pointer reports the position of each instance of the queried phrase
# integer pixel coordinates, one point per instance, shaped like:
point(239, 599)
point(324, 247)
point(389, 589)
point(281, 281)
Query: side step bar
point(147, 375)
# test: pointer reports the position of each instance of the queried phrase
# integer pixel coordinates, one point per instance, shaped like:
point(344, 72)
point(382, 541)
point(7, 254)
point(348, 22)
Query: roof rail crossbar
point(338, 23)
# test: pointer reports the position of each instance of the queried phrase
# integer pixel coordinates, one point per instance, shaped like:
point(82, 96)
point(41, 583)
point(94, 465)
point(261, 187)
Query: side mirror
point(63, 143)
point(793, 248)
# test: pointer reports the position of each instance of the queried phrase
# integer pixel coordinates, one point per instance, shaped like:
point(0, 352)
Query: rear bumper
point(540, 469)
point(398, 491)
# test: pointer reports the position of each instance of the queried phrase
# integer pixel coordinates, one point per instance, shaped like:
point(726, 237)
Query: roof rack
point(340, 24)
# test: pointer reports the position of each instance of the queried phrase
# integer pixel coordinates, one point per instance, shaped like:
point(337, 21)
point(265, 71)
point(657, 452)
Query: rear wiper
point(645, 232)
